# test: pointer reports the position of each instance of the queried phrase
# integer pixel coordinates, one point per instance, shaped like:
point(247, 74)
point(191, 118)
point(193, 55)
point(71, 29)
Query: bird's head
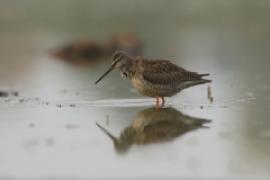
point(120, 60)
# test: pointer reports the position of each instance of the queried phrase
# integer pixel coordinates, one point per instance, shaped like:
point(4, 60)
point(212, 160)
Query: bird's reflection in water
point(153, 126)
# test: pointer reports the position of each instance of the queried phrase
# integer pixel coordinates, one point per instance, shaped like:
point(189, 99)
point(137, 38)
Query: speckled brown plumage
point(155, 78)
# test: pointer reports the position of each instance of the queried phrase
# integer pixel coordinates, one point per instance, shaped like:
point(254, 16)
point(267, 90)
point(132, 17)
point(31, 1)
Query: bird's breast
point(153, 90)
point(138, 84)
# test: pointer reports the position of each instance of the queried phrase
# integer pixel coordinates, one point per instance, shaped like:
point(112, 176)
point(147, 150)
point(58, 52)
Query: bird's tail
point(203, 81)
point(202, 75)
point(194, 80)
point(188, 84)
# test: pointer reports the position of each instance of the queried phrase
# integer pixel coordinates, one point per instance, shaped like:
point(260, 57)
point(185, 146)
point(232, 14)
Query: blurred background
point(49, 107)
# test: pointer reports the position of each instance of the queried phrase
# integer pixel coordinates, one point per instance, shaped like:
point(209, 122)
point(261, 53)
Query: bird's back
point(163, 78)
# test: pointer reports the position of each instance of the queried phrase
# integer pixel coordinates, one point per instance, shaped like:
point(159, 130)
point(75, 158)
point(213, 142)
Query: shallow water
point(50, 131)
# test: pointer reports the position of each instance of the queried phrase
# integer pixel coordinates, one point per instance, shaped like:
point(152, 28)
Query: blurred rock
point(3, 94)
point(88, 52)
point(81, 52)
point(6, 93)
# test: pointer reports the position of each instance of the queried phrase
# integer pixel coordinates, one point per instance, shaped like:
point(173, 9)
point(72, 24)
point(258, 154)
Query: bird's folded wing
point(165, 72)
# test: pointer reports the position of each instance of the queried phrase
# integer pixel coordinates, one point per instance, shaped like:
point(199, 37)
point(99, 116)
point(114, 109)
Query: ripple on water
point(72, 126)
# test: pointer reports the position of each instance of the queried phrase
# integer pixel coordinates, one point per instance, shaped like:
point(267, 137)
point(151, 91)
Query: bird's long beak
point(107, 72)
point(112, 137)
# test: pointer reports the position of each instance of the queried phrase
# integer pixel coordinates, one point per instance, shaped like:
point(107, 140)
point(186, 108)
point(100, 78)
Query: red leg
point(157, 103)
point(163, 102)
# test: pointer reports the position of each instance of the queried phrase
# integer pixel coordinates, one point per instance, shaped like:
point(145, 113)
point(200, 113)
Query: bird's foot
point(158, 104)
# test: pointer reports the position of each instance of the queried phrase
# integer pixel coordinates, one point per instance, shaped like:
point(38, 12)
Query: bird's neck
point(132, 67)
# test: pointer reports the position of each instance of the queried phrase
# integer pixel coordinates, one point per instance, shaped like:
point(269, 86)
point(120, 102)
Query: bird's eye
point(116, 56)
point(125, 74)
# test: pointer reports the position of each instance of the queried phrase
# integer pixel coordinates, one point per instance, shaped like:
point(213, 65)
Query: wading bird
point(154, 78)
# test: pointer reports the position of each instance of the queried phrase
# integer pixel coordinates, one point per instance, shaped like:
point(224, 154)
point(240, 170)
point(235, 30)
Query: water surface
point(50, 131)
